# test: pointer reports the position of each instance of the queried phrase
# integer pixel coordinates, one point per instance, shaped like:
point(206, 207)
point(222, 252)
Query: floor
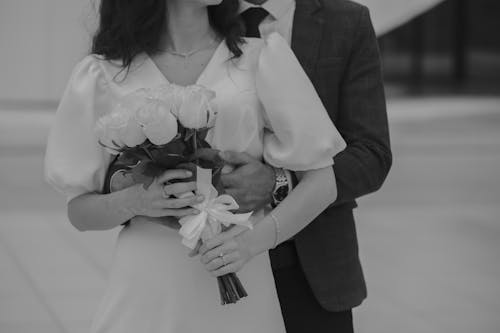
point(429, 239)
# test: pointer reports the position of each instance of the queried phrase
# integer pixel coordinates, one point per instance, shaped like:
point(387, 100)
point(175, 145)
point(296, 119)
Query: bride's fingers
point(218, 251)
point(174, 174)
point(231, 268)
point(222, 261)
point(179, 188)
point(221, 238)
point(178, 203)
point(179, 212)
point(211, 244)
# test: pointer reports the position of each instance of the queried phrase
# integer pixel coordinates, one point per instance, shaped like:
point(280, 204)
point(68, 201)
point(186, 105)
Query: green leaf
point(189, 134)
point(202, 133)
point(170, 161)
point(208, 154)
point(178, 147)
point(145, 172)
point(170, 154)
point(128, 158)
point(140, 178)
point(153, 169)
point(201, 143)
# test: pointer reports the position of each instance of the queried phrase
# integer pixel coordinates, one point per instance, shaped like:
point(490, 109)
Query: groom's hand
point(250, 183)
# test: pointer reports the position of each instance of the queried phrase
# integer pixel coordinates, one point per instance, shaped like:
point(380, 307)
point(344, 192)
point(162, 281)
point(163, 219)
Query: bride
point(266, 107)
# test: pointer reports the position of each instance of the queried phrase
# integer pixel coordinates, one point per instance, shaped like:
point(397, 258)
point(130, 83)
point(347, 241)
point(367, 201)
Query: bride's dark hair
point(130, 27)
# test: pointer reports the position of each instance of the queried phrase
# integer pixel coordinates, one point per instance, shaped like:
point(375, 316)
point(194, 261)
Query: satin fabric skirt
point(155, 287)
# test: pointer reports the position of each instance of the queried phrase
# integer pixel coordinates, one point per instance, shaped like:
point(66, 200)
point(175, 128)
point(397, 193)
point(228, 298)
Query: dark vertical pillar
point(460, 45)
point(417, 50)
point(381, 45)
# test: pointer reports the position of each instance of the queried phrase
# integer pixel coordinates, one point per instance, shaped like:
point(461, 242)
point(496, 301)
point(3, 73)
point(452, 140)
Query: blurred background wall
point(453, 47)
point(41, 41)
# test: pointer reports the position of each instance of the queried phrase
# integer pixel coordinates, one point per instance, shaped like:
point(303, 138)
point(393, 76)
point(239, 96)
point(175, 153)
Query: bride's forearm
point(93, 211)
point(314, 193)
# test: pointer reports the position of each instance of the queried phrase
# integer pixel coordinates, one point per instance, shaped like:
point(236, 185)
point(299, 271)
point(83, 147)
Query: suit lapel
point(307, 32)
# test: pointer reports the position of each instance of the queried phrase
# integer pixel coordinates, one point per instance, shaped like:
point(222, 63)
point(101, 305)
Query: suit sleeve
point(363, 166)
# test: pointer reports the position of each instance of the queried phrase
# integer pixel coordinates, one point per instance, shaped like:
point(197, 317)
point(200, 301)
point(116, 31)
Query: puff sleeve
point(75, 163)
point(301, 135)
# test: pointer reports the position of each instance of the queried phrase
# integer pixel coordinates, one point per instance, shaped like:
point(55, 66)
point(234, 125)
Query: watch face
point(281, 193)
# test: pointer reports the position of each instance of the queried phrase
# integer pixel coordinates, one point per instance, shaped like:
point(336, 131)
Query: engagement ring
point(223, 261)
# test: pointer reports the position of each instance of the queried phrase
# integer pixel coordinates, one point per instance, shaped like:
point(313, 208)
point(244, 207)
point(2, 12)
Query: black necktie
point(252, 17)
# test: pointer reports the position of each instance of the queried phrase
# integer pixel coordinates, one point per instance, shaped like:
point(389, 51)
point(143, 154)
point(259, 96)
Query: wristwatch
point(281, 187)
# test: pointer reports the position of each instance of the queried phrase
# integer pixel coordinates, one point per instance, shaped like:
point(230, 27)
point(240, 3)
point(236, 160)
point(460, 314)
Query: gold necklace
point(186, 55)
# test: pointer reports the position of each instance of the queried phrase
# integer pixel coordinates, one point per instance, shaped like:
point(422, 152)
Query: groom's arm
point(362, 121)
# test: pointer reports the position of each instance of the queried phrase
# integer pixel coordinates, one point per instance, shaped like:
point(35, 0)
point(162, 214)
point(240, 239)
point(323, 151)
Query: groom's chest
point(322, 53)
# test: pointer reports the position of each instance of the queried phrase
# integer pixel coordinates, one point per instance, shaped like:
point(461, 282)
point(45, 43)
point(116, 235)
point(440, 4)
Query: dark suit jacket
point(335, 43)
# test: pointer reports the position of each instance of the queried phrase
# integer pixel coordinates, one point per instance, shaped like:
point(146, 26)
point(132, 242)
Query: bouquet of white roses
point(153, 130)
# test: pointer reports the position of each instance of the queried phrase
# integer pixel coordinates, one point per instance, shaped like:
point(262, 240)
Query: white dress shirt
point(280, 18)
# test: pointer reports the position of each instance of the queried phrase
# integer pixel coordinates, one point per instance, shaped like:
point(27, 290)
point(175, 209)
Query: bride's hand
point(156, 200)
point(227, 252)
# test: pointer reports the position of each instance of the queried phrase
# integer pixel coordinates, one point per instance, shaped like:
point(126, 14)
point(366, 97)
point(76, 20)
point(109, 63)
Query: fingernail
point(189, 173)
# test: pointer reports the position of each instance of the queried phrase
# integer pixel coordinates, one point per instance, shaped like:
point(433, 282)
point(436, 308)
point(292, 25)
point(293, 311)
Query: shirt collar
point(277, 8)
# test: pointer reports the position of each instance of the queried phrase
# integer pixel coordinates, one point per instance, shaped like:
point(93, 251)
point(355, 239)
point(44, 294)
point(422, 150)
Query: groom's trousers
point(301, 311)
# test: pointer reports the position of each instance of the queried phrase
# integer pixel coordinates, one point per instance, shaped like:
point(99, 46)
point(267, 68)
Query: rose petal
point(132, 135)
point(162, 131)
point(196, 110)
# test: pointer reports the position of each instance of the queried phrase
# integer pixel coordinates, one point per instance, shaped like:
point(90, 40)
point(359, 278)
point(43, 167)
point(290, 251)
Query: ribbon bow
point(214, 211)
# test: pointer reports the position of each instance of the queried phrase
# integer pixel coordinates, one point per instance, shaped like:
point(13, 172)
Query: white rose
point(170, 94)
point(109, 129)
point(132, 135)
point(197, 109)
point(158, 123)
point(119, 129)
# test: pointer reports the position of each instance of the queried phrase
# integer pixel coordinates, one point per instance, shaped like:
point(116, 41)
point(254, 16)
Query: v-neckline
point(203, 73)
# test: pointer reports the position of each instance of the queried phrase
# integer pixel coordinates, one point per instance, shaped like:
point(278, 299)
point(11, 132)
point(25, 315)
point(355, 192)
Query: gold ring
point(223, 261)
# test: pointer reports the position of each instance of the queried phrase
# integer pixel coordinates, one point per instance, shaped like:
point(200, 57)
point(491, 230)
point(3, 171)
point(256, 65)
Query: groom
point(318, 272)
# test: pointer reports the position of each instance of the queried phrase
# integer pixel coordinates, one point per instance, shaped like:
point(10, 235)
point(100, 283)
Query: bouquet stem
point(230, 288)
point(195, 146)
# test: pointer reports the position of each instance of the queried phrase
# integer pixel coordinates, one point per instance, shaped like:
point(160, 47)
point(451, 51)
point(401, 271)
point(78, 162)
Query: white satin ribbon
point(215, 211)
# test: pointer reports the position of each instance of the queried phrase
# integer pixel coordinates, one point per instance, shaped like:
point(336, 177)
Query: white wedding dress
point(266, 107)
